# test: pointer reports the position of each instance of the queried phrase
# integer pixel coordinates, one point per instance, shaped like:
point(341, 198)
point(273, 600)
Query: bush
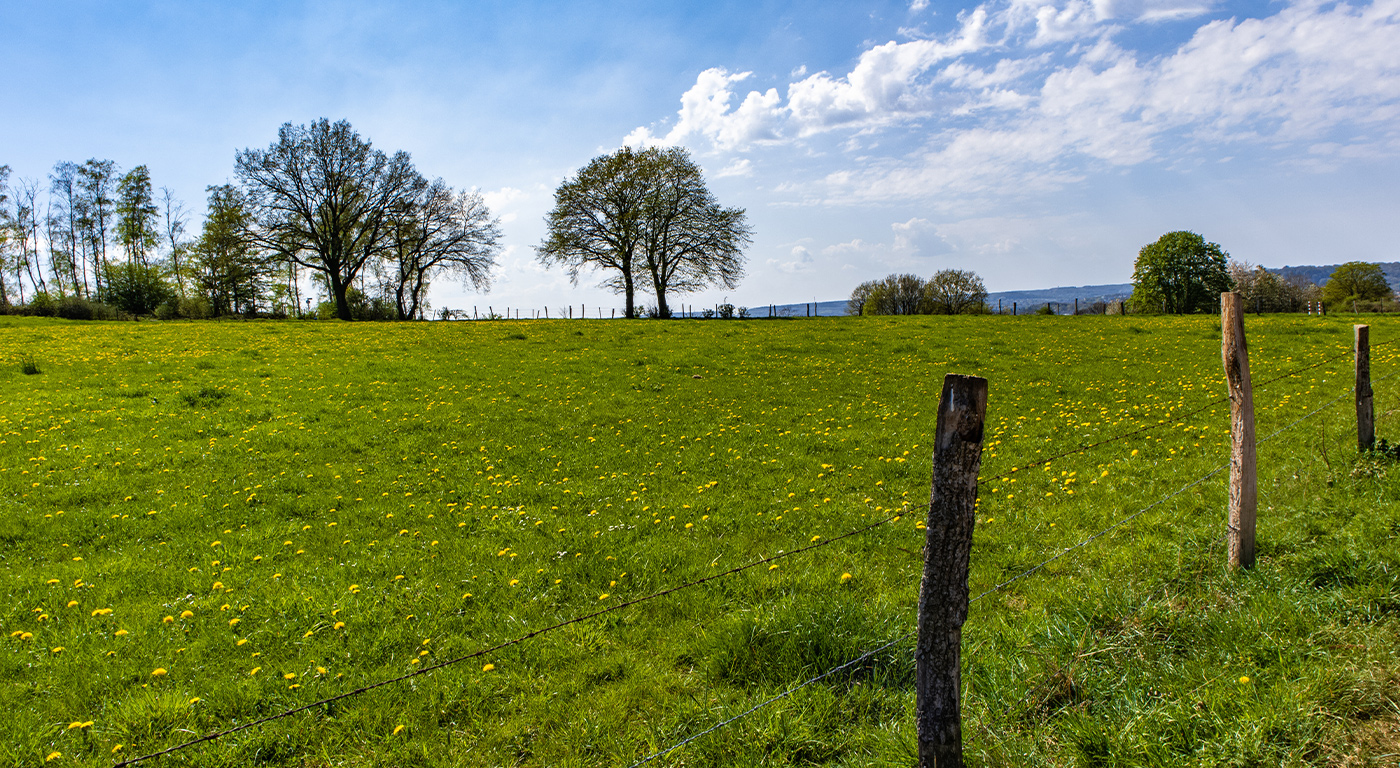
point(137, 289)
point(75, 308)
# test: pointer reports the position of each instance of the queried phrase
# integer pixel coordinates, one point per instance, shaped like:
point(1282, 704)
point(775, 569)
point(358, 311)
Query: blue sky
point(1037, 142)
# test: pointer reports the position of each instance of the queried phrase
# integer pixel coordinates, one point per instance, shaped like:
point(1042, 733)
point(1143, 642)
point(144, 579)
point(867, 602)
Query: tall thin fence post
point(957, 458)
point(1365, 407)
point(1243, 479)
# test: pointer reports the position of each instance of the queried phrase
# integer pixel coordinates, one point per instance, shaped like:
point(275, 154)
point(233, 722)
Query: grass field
point(203, 524)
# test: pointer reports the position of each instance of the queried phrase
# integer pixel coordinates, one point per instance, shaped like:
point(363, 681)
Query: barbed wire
point(1174, 417)
point(766, 702)
point(738, 569)
point(506, 644)
point(1029, 571)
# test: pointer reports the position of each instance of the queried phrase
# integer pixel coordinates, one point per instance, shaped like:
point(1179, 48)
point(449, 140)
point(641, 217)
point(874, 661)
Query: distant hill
point(1086, 294)
point(1320, 275)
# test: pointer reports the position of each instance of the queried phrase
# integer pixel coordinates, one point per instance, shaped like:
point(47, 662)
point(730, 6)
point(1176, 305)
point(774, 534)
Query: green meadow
point(203, 524)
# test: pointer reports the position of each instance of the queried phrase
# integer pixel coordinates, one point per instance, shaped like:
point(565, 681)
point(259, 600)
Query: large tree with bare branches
point(323, 198)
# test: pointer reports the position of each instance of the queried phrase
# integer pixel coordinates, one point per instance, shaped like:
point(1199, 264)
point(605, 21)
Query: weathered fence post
point(957, 458)
point(1013, 309)
point(1076, 307)
point(1365, 407)
point(1243, 481)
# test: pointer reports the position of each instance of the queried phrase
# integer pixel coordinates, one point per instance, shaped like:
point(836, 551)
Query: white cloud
point(1306, 75)
point(738, 167)
point(920, 238)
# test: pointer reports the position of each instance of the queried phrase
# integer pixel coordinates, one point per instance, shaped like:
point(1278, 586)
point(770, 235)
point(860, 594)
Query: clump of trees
point(1264, 291)
point(320, 200)
point(647, 220)
point(948, 292)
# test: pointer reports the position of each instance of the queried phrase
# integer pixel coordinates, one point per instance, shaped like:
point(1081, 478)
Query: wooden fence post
point(1365, 407)
point(957, 458)
point(1243, 480)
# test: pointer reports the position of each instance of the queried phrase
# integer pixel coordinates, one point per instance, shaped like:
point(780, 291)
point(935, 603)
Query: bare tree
point(440, 232)
point(67, 247)
point(596, 223)
point(321, 197)
point(94, 180)
point(174, 219)
point(689, 240)
point(6, 227)
point(26, 227)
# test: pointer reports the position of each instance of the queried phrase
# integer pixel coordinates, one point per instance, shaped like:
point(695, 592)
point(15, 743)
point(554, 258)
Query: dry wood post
point(957, 457)
point(1243, 480)
point(1365, 407)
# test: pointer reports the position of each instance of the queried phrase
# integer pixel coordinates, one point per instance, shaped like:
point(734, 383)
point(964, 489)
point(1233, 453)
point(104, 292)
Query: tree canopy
point(1356, 280)
point(646, 210)
point(321, 197)
point(1180, 273)
point(948, 292)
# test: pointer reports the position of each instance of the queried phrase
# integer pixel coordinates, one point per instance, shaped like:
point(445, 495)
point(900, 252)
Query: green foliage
point(1180, 274)
point(232, 273)
point(445, 486)
point(136, 217)
point(647, 219)
point(28, 366)
point(136, 288)
point(948, 292)
point(1355, 281)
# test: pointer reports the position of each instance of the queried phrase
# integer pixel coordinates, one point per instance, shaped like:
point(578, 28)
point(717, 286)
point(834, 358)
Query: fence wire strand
point(1004, 584)
point(627, 604)
point(1176, 417)
point(506, 644)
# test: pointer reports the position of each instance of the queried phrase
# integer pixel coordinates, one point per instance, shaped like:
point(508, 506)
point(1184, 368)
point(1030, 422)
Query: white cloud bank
point(1029, 96)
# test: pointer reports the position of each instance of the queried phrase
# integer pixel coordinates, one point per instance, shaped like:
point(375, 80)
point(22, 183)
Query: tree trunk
point(342, 304)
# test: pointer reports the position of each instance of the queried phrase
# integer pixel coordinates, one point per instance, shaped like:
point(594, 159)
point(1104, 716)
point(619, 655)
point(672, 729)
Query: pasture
point(202, 524)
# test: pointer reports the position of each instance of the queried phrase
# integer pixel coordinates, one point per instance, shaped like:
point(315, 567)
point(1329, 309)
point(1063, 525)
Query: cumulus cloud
point(1026, 96)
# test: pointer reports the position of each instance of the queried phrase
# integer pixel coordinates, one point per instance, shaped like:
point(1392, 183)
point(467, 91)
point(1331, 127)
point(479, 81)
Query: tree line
point(370, 231)
point(1179, 273)
point(1182, 273)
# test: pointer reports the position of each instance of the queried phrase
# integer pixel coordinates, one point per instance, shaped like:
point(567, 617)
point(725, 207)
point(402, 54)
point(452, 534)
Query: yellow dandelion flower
point(845, 577)
point(289, 676)
point(168, 620)
point(254, 670)
point(397, 729)
point(488, 667)
point(186, 614)
point(339, 625)
point(53, 756)
point(241, 641)
point(158, 672)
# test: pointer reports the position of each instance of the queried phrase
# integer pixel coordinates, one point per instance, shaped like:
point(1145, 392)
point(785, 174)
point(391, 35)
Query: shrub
point(136, 288)
point(28, 367)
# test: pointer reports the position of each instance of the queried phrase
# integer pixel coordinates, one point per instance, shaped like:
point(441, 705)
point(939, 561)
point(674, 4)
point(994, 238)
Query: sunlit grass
point(271, 513)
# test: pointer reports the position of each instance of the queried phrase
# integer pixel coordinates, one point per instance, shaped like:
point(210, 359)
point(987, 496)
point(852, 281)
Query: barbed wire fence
point(807, 548)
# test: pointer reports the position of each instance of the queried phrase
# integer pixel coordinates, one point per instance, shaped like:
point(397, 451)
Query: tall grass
point(272, 513)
